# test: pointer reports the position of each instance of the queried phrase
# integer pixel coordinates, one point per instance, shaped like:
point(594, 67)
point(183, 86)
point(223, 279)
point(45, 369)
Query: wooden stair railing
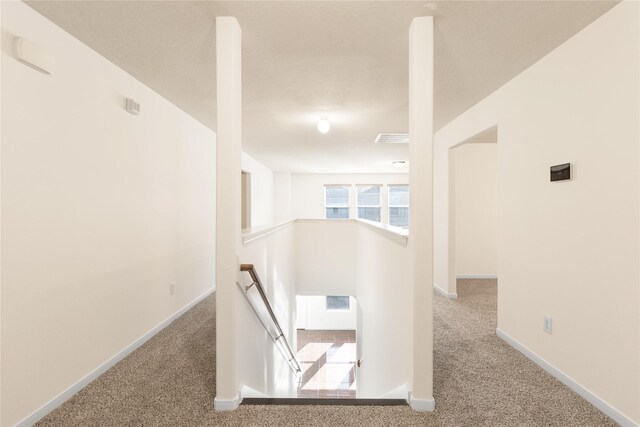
point(280, 337)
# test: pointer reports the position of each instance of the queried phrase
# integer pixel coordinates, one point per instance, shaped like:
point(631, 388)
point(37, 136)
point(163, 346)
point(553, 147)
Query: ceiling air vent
point(392, 138)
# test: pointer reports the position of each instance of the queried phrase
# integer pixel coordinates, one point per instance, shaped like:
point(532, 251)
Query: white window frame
point(379, 205)
point(389, 205)
point(348, 206)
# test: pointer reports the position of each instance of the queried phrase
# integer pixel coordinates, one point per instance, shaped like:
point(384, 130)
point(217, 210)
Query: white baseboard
point(444, 293)
point(476, 276)
point(422, 405)
point(227, 404)
point(401, 392)
point(249, 392)
point(587, 395)
point(41, 412)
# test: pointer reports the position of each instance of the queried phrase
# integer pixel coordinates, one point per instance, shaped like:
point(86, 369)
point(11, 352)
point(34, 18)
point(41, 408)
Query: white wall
point(262, 195)
point(329, 257)
point(569, 250)
point(101, 211)
point(261, 365)
point(314, 315)
point(384, 294)
point(346, 257)
point(325, 263)
point(281, 196)
point(307, 191)
point(476, 209)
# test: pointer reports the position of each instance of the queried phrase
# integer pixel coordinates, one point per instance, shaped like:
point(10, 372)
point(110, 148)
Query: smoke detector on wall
point(392, 138)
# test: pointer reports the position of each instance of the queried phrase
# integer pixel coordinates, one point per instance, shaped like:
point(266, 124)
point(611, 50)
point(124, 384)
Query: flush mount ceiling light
point(324, 125)
point(398, 164)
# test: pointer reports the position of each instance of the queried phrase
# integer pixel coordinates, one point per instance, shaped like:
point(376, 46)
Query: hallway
point(479, 380)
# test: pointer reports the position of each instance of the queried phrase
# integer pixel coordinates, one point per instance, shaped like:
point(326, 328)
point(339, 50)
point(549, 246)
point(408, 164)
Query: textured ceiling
point(347, 60)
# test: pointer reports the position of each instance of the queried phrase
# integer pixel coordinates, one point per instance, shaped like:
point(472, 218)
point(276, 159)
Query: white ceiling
point(347, 60)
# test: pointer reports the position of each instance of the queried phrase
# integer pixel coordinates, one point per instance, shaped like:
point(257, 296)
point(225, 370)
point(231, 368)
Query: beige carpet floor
point(479, 381)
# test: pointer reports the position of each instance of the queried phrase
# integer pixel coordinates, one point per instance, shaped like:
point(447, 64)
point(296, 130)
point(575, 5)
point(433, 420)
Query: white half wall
point(348, 257)
point(384, 297)
point(569, 250)
point(321, 257)
point(476, 210)
point(261, 365)
point(307, 191)
point(101, 212)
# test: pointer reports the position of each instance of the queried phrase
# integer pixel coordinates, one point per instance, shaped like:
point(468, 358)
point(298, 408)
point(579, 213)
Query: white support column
point(421, 208)
point(228, 206)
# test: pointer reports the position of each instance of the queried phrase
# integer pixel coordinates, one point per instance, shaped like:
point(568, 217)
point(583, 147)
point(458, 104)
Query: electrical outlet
point(172, 288)
point(547, 324)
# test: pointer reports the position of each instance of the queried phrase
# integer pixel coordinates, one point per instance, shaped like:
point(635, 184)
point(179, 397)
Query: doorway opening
point(326, 332)
point(246, 200)
point(472, 210)
point(476, 214)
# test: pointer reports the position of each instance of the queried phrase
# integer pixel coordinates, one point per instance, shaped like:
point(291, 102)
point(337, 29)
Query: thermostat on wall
point(33, 55)
point(132, 106)
point(561, 172)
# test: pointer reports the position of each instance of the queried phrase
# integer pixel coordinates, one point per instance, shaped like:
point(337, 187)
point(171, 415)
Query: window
point(336, 202)
point(369, 202)
point(337, 303)
point(399, 205)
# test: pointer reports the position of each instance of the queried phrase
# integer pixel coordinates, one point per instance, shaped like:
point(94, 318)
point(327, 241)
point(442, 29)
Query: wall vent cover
point(392, 138)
